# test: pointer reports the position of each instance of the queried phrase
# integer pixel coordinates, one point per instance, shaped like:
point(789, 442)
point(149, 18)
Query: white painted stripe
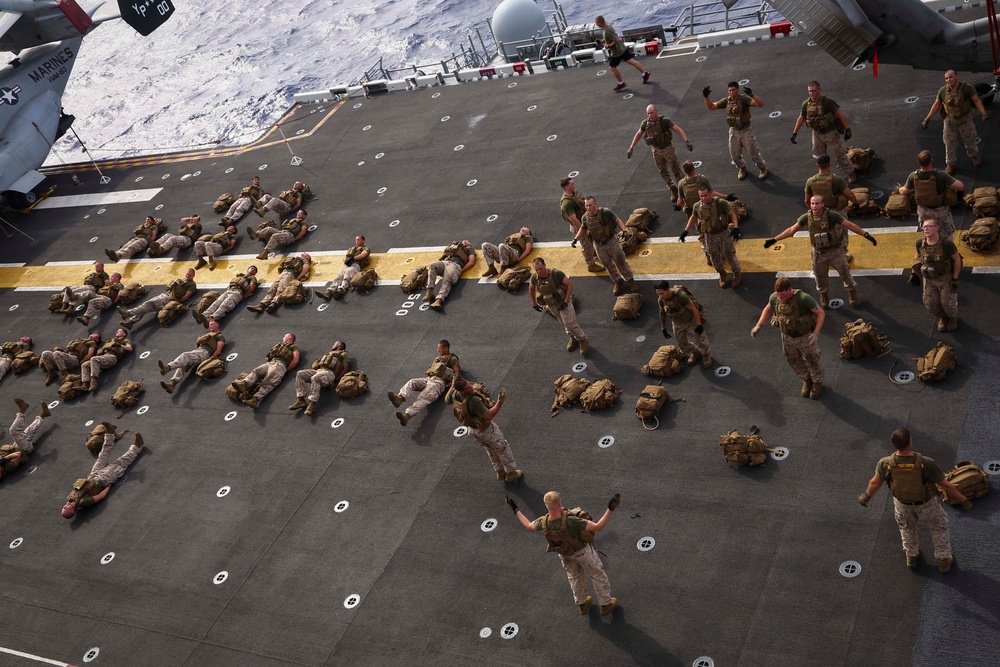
point(43, 288)
point(97, 199)
point(36, 658)
point(422, 249)
point(686, 277)
point(12, 265)
point(72, 262)
point(854, 272)
point(986, 269)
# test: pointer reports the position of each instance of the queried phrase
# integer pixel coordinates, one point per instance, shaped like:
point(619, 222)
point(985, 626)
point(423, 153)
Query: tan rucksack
point(414, 281)
point(223, 203)
point(23, 362)
point(983, 201)
point(95, 440)
point(861, 158)
point(970, 479)
point(627, 307)
point(364, 280)
point(983, 235)
point(55, 302)
point(741, 210)
point(866, 203)
point(666, 361)
point(650, 402)
point(171, 311)
point(512, 278)
point(68, 390)
point(744, 449)
point(293, 294)
point(568, 391)
point(206, 301)
point(641, 219)
point(599, 395)
point(937, 363)
point(237, 395)
point(631, 238)
point(862, 339)
point(132, 293)
point(352, 384)
point(127, 394)
point(211, 369)
point(898, 205)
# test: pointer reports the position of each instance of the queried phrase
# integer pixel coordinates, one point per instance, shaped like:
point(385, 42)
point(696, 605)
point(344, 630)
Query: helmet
point(68, 510)
point(96, 337)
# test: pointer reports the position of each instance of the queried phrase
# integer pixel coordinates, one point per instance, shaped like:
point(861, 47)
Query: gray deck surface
point(745, 567)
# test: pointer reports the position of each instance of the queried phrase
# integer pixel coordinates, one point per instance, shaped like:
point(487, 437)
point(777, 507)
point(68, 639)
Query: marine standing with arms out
point(957, 98)
point(719, 226)
point(938, 263)
point(476, 414)
point(912, 478)
point(617, 52)
point(741, 136)
point(658, 131)
point(566, 535)
point(555, 291)
point(934, 192)
point(573, 207)
point(799, 319)
point(827, 120)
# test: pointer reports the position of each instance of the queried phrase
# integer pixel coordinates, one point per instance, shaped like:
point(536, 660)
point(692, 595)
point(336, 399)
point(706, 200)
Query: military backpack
point(970, 479)
point(55, 302)
point(648, 405)
point(744, 450)
point(293, 293)
point(23, 362)
point(207, 300)
point(132, 293)
point(364, 280)
point(211, 369)
point(983, 235)
point(741, 210)
point(69, 388)
point(127, 394)
point(641, 219)
point(599, 395)
point(983, 201)
point(898, 205)
point(171, 311)
point(666, 361)
point(352, 384)
point(631, 238)
point(512, 278)
point(234, 391)
point(861, 158)
point(414, 281)
point(95, 440)
point(627, 307)
point(223, 203)
point(568, 390)
point(862, 339)
point(937, 363)
point(866, 203)
point(560, 541)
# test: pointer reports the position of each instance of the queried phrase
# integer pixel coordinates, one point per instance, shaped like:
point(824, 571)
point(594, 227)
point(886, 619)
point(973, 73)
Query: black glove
point(735, 233)
point(923, 124)
point(706, 91)
point(871, 238)
point(700, 329)
point(628, 154)
point(689, 145)
point(666, 334)
point(794, 134)
point(348, 261)
point(511, 504)
point(746, 89)
point(563, 305)
point(863, 499)
point(914, 279)
point(538, 307)
point(847, 134)
point(770, 242)
point(613, 503)
point(954, 283)
point(573, 244)
point(731, 197)
point(683, 236)
point(677, 204)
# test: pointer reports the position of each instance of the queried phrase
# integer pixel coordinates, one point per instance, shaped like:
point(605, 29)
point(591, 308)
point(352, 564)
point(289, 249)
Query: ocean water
point(222, 72)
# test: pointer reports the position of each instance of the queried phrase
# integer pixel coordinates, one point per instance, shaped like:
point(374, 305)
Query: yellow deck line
point(894, 251)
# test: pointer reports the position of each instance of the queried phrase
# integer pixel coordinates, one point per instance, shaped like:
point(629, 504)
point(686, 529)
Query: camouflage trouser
point(667, 164)
point(343, 279)
point(96, 305)
point(942, 214)
point(132, 246)
point(151, 305)
point(63, 362)
point(277, 286)
point(108, 473)
point(586, 562)
point(170, 241)
point(309, 382)
point(698, 341)
point(5, 363)
point(567, 318)
point(835, 259)
point(279, 238)
point(91, 370)
point(80, 294)
point(269, 375)
point(803, 356)
point(586, 247)
point(940, 298)
point(207, 249)
point(720, 248)
point(224, 304)
point(430, 390)
point(492, 440)
point(613, 258)
point(744, 140)
point(239, 207)
point(932, 515)
point(963, 127)
point(832, 143)
point(186, 361)
point(503, 253)
point(24, 437)
point(279, 206)
point(449, 271)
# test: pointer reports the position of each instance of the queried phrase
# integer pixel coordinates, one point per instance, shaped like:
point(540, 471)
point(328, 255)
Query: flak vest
point(559, 539)
point(822, 234)
point(240, 283)
point(822, 185)
point(677, 312)
point(550, 293)
point(191, 231)
point(457, 253)
point(691, 188)
point(78, 347)
point(293, 264)
point(816, 119)
point(656, 135)
point(441, 367)
point(462, 407)
point(578, 201)
point(288, 196)
point(223, 239)
point(292, 225)
point(600, 227)
point(710, 220)
point(209, 341)
point(934, 263)
point(251, 191)
point(331, 361)
point(956, 104)
point(737, 114)
point(356, 250)
point(516, 241)
point(111, 290)
point(176, 289)
point(11, 348)
point(790, 321)
point(281, 352)
point(925, 191)
point(113, 346)
point(95, 279)
point(906, 480)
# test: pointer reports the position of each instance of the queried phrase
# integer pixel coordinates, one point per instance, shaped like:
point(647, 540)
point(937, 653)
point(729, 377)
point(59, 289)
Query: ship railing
point(700, 17)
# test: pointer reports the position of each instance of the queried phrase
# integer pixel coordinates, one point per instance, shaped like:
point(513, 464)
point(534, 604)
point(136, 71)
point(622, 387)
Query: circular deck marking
point(164, 177)
point(445, 119)
point(704, 660)
point(697, 163)
point(107, 558)
point(143, 410)
point(228, 171)
point(262, 167)
point(232, 356)
point(459, 147)
point(460, 431)
point(366, 128)
point(627, 96)
point(337, 423)
point(158, 207)
point(859, 67)
point(220, 577)
point(358, 105)
point(12, 308)
point(602, 72)
point(361, 164)
point(400, 313)
point(992, 467)
point(80, 308)
point(424, 306)
point(435, 96)
point(812, 42)
point(486, 526)
point(640, 339)
point(744, 82)
point(532, 107)
point(299, 132)
point(645, 543)
point(484, 633)
point(512, 85)
point(89, 422)
point(850, 568)
point(394, 223)
point(230, 416)
point(197, 173)
point(53, 404)
point(911, 99)
point(382, 190)
point(323, 306)
point(606, 441)
point(101, 211)
point(836, 303)
point(341, 506)
point(580, 366)
point(723, 371)
point(16, 543)
point(774, 114)
point(780, 454)
point(509, 631)
point(379, 156)
point(223, 492)
point(573, 174)
point(91, 654)
point(312, 228)
point(30, 470)
point(471, 183)
point(492, 218)
point(138, 179)
point(552, 137)
point(93, 239)
point(701, 59)
point(904, 377)
point(185, 177)
point(352, 601)
point(144, 354)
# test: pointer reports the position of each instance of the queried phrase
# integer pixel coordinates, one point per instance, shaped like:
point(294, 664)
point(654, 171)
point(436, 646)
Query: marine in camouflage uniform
point(143, 236)
point(113, 350)
point(248, 199)
point(658, 132)
point(513, 249)
point(601, 225)
point(957, 98)
point(741, 135)
point(578, 557)
point(799, 319)
point(572, 205)
point(241, 287)
point(456, 260)
point(291, 269)
point(291, 230)
point(719, 229)
point(932, 190)
point(94, 488)
point(63, 360)
point(283, 204)
point(102, 299)
point(92, 283)
point(473, 412)
point(209, 346)
point(685, 319)
point(834, 190)
point(178, 290)
point(10, 350)
point(16, 455)
point(912, 478)
point(206, 251)
point(185, 237)
point(325, 373)
point(430, 387)
point(554, 290)
point(830, 128)
point(937, 265)
point(355, 262)
point(282, 358)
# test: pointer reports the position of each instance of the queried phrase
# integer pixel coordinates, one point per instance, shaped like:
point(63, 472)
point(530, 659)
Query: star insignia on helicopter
point(9, 95)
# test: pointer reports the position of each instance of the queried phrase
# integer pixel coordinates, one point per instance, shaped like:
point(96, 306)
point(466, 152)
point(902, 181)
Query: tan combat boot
point(824, 300)
point(84, 320)
point(595, 268)
point(571, 344)
point(852, 297)
point(326, 295)
point(403, 418)
point(491, 271)
point(817, 389)
point(309, 409)
point(428, 294)
point(22, 407)
point(43, 410)
point(619, 286)
point(633, 285)
point(585, 607)
point(584, 346)
point(252, 233)
point(395, 399)
point(513, 476)
point(737, 279)
point(299, 403)
point(807, 387)
point(169, 386)
point(951, 324)
point(722, 280)
point(609, 607)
